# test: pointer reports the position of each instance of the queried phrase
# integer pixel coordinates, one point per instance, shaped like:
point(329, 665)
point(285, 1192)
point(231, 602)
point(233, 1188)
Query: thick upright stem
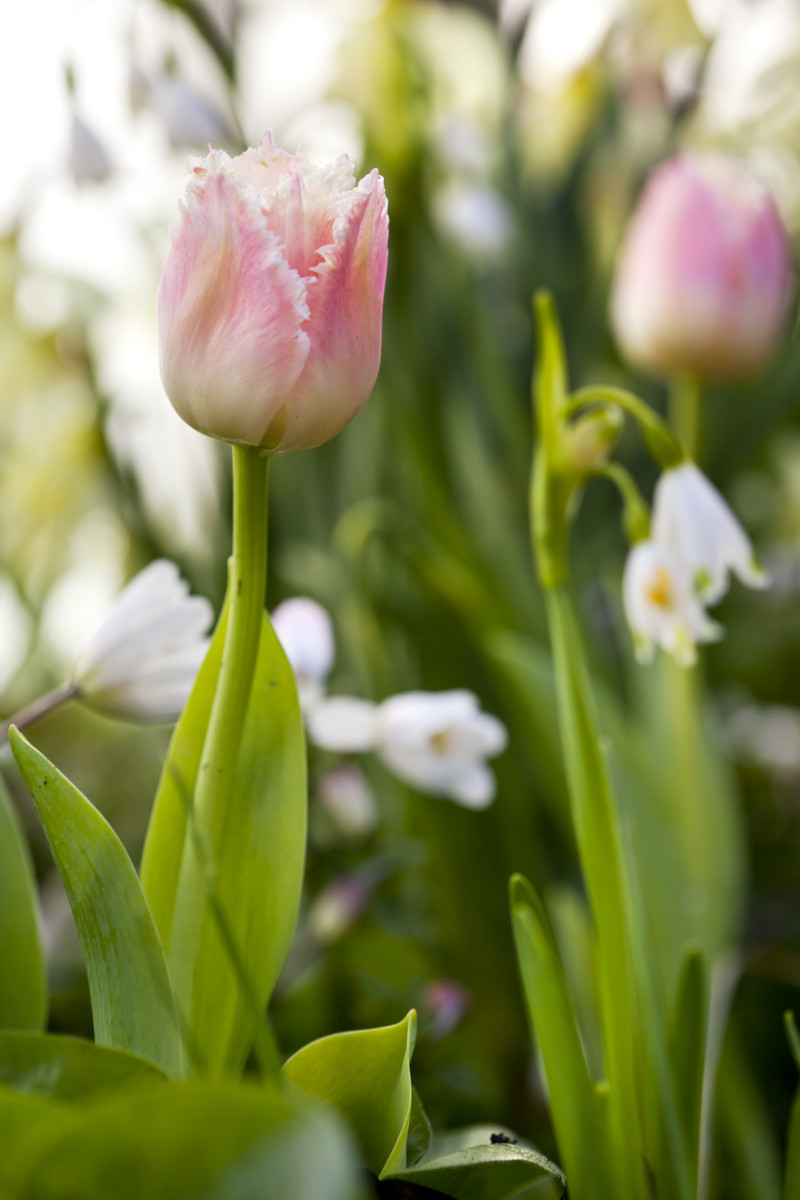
point(247, 586)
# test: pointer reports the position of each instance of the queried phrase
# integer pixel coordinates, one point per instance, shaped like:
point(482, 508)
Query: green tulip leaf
point(27, 1122)
point(132, 1002)
point(66, 1067)
point(366, 1075)
point(187, 1142)
point(166, 834)
point(227, 901)
point(23, 986)
point(482, 1170)
point(420, 1133)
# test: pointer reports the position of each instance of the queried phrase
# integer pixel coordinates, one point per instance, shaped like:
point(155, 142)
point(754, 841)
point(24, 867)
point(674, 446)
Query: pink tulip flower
point(705, 276)
point(271, 297)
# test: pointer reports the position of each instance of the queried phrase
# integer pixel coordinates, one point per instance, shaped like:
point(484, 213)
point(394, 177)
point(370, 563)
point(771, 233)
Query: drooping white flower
point(142, 659)
point(305, 631)
point(435, 741)
point(692, 520)
point(661, 607)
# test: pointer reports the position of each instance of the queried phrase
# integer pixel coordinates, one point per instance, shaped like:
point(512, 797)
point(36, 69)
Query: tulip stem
point(685, 395)
point(247, 585)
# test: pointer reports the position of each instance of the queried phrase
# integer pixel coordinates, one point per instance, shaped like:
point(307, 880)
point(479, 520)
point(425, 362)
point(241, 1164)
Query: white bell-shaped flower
point(305, 631)
point(661, 607)
point(143, 658)
point(692, 520)
point(435, 741)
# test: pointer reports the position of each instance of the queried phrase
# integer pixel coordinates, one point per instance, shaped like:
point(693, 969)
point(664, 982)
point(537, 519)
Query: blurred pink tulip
point(271, 298)
point(705, 276)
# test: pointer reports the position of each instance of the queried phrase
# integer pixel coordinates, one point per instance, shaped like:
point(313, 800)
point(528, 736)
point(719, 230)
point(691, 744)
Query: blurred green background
point(514, 145)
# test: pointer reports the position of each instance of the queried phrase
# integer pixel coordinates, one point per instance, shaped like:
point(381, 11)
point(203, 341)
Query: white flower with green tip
point(693, 521)
point(661, 606)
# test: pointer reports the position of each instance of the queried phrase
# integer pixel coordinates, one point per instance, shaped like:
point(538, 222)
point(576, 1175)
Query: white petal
point(692, 519)
point(342, 723)
point(305, 631)
point(143, 658)
point(660, 605)
point(414, 717)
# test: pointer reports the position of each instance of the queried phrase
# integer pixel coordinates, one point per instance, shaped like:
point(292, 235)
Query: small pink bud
point(271, 298)
point(705, 276)
point(446, 1002)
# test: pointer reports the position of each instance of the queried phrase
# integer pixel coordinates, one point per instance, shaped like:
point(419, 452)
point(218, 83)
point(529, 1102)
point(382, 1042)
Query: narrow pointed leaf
point(687, 1050)
point(791, 1179)
point(575, 1104)
point(366, 1075)
point(132, 1002)
point(23, 986)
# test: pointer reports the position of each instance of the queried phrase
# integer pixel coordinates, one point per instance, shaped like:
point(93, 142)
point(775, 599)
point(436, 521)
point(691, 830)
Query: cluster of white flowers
point(695, 544)
point(437, 742)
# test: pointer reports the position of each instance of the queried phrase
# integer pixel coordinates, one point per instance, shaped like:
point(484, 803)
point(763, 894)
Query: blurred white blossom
point(768, 735)
point(435, 741)
point(346, 796)
point(474, 216)
point(88, 158)
point(305, 631)
point(142, 659)
point(661, 607)
point(693, 522)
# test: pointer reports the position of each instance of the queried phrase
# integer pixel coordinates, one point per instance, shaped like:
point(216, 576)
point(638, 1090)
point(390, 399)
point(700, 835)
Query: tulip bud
point(271, 298)
point(705, 276)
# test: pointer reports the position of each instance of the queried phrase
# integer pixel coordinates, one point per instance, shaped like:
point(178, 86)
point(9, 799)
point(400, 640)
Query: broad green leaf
point(575, 1104)
point(488, 1172)
point(244, 872)
point(183, 1142)
point(366, 1075)
point(420, 1133)
point(23, 986)
point(26, 1122)
point(687, 1050)
point(312, 1158)
point(66, 1067)
point(132, 1002)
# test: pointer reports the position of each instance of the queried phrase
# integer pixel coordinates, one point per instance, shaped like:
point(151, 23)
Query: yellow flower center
point(659, 589)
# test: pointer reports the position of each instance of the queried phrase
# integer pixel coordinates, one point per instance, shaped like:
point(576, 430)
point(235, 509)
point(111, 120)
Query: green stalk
point(247, 582)
point(248, 587)
point(597, 833)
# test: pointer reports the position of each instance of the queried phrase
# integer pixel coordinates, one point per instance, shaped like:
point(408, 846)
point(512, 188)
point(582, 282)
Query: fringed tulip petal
point(271, 299)
point(231, 312)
